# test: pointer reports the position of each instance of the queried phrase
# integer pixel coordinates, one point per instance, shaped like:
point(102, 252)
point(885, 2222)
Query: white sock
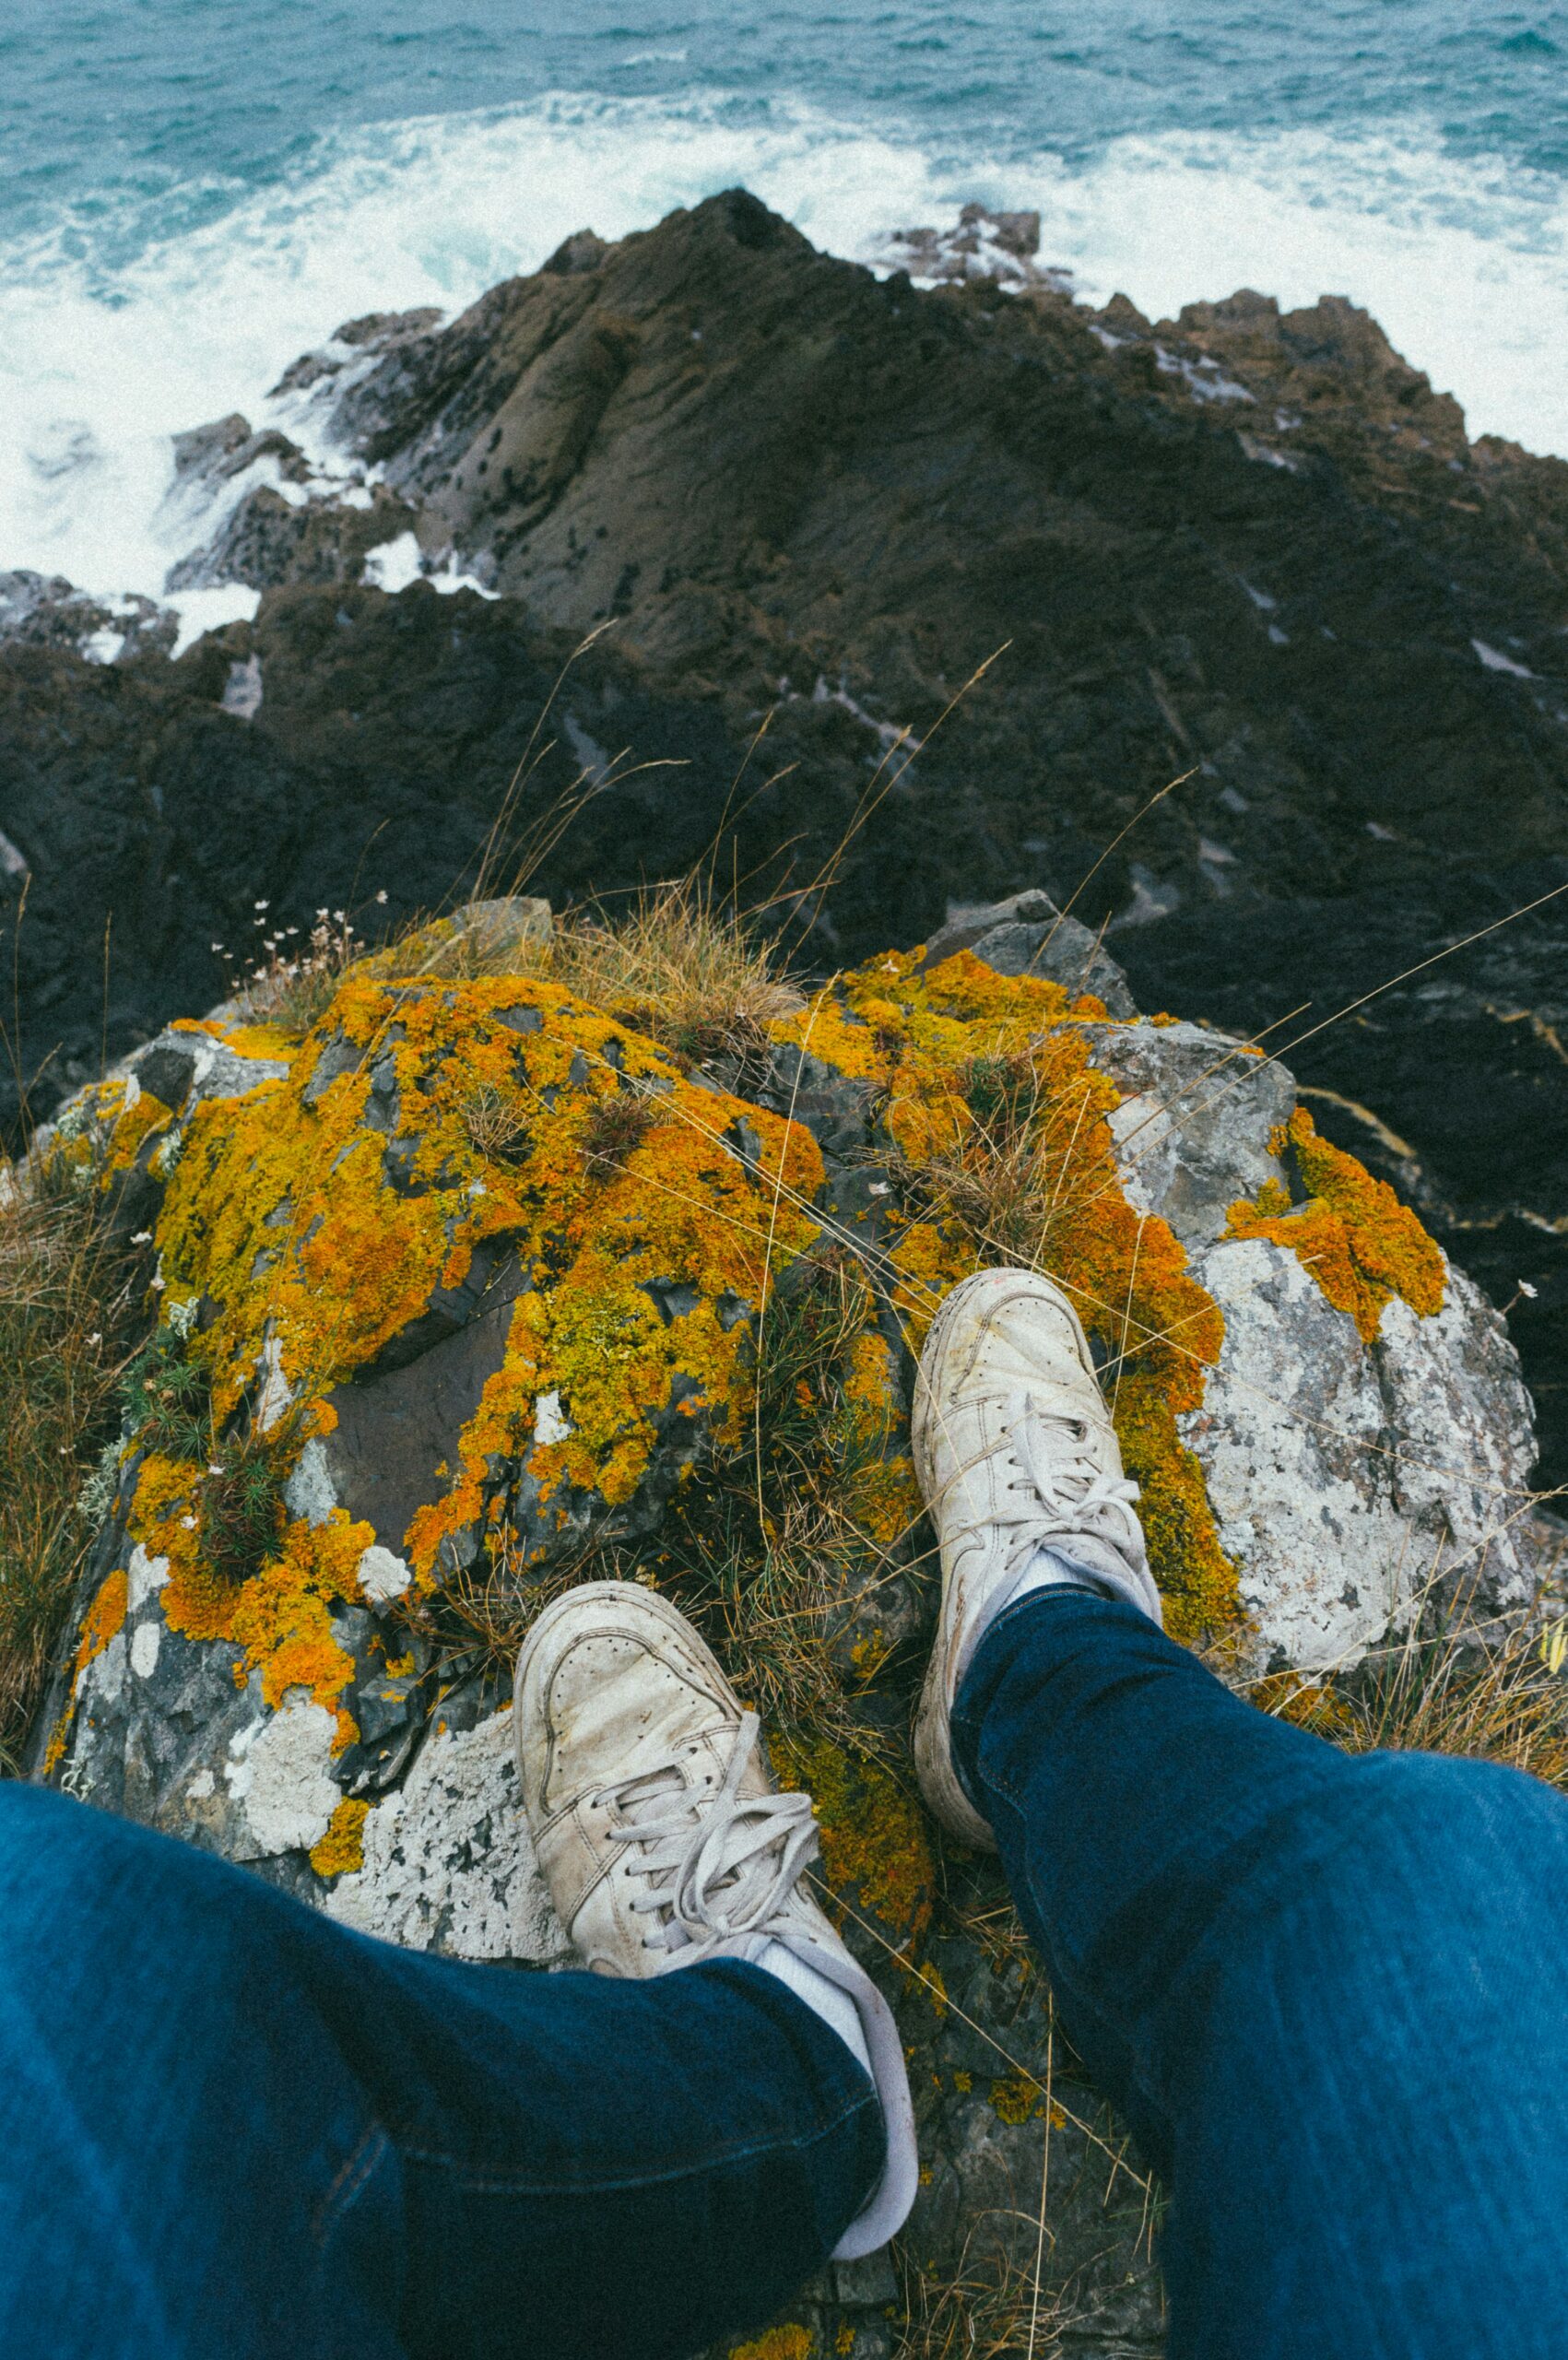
point(1047, 1569)
point(836, 2008)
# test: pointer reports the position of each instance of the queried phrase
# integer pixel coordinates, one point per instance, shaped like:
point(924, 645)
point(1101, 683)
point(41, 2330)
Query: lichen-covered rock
point(463, 1296)
point(445, 1862)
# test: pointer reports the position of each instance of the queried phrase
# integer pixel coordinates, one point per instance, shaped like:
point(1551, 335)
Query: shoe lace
point(1058, 1489)
point(716, 1864)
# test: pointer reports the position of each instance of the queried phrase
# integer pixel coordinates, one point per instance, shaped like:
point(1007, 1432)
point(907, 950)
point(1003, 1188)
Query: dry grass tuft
point(616, 1125)
point(763, 1552)
point(679, 966)
point(1003, 1180)
point(1443, 1692)
point(66, 1313)
point(494, 1126)
point(480, 1617)
point(992, 2309)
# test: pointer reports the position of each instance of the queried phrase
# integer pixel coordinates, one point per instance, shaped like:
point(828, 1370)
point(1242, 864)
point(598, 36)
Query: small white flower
point(95, 1337)
point(881, 1188)
point(1526, 1288)
point(187, 1523)
point(261, 906)
point(382, 895)
point(215, 1466)
point(142, 1237)
point(157, 1285)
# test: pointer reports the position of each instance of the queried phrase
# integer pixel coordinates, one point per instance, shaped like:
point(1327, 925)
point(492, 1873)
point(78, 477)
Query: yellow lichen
point(931, 1044)
point(1308, 1703)
point(341, 1849)
point(1016, 2097)
point(879, 1491)
point(790, 2343)
point(134, 1127)
point(284, 1214)
point(1361, 1246)
point(875, 1853)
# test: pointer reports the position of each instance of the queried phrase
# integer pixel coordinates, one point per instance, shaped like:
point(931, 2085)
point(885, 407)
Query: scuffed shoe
point(1016, 1454)
point(664, 1844)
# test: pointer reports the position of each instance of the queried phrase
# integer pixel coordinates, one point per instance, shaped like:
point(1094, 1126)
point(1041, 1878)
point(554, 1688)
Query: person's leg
point(229, 2126)
point(1330, 1993)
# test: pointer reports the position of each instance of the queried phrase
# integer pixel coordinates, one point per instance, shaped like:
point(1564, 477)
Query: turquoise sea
point(194, 191)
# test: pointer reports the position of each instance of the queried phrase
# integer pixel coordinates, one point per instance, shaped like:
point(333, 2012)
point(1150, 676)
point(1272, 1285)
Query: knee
point(75, 1881)
point(1452, 1823)
point(1475, 1799)
point(42, 1835)
point(52, 1851)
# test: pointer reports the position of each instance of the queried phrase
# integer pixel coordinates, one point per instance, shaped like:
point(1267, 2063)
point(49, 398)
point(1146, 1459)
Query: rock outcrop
point(1251, 547)
point(471, 1292)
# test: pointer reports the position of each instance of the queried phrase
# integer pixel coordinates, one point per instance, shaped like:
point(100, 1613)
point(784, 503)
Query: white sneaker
point(1016, 1456)
point(662, 1841)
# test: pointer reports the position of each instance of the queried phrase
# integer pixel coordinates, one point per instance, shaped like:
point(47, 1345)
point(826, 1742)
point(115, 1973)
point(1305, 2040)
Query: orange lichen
point(287, 1214)
point(1361, 1246)
point(280, 1617)
point(342, 1848)
point(973, 1068)
point(104, 1620)
point(875, 1853)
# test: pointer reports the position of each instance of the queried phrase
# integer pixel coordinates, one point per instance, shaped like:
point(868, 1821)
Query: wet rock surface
point(474, 1349)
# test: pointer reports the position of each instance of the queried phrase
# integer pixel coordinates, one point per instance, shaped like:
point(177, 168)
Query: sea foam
point(102, 363)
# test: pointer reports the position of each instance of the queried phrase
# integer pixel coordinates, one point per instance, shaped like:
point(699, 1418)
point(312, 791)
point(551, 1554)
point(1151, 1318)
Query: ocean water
point(192, 192)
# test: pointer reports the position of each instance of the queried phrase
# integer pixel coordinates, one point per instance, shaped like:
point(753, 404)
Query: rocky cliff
point(1251, 547)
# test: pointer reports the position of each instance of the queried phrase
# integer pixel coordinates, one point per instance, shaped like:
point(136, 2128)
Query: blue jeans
point(1331, 1995)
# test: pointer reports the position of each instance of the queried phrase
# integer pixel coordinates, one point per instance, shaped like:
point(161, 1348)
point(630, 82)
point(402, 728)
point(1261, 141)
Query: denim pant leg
point(230, 2128)
point(1331, 1992)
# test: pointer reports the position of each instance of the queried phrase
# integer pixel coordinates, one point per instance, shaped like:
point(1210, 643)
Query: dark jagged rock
point(269, 539)
point(45, 610)
point(1249, 546)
